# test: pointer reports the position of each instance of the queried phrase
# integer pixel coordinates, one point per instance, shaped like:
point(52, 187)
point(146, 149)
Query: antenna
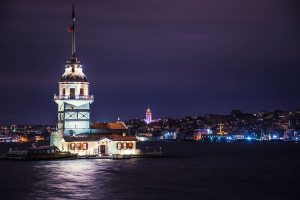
point(73, 31)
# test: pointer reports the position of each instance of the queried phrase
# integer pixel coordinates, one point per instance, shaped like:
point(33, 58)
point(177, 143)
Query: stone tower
point(73, 99)
point(148, 119)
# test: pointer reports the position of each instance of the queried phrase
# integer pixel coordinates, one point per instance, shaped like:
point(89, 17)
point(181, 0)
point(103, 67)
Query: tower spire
point(73, 31)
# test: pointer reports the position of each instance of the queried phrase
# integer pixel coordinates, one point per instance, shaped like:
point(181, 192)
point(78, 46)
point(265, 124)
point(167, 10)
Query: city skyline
point(181, 59)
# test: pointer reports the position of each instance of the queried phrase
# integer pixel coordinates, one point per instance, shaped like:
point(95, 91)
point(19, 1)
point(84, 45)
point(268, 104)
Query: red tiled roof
point(115, 137)
point(110, 125)
point(96, 137)
point(117, 125)
point(99, 125)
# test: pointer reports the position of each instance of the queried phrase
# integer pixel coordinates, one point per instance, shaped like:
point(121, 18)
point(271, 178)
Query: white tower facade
point(73, 99)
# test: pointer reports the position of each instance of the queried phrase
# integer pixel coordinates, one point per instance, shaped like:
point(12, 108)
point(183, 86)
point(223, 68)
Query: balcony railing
point(75, 97)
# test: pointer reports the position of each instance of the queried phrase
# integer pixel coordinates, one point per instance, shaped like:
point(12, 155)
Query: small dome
point(73, 73)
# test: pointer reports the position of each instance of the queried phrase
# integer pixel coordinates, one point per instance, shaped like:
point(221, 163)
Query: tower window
point(81, 91)
point(63, 91)
point(72, 93)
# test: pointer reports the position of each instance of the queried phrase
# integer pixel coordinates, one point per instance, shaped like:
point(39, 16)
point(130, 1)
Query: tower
point(73, 97)
point(148, 119)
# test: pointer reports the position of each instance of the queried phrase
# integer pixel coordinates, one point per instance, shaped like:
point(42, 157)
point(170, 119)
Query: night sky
point(181, 57)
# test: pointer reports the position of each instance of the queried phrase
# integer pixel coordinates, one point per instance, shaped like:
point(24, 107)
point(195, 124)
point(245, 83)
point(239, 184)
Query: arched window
point(129, 145)
point(85, 146)
point(72, 93)
point(72, 146)
point(119, 145)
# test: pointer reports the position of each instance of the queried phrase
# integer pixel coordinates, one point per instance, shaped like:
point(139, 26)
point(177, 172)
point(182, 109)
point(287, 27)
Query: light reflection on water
point(75, 179)
point(199, 171)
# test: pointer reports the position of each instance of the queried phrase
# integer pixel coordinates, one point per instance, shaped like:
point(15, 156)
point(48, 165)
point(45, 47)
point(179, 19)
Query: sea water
point(195, 171)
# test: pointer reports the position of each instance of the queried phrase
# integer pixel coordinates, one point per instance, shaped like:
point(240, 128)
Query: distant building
point(148, 119)
point(199, 133)
point(147, 137)
point(169, 135)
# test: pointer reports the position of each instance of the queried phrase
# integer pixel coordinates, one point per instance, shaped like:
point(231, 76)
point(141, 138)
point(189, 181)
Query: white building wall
point(56, 138)
point(114, 150)
point(94, 146)
point(77, 125)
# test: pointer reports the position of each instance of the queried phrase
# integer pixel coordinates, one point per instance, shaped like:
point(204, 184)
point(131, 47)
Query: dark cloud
point(181, 57)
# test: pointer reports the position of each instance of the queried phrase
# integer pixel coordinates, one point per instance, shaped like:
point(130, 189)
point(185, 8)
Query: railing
point(76, 97)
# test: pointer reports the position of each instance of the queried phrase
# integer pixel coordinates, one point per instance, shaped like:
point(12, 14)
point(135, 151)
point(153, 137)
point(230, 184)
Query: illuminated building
point(148, 119)
point(73, 99)
point(101, 145)
point(167, 135)
point(23, 138)
point(199, 133)
point(221, 131)
point(38, 138)
point(147, 137)
point(74, 132)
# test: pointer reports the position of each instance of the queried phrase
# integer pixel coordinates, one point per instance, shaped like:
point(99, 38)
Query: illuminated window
point(124, 145)
point(129, 145)
point(84, 146)
point(119, 145)
point(72, 146)
point(78, 146)
point(72, 93)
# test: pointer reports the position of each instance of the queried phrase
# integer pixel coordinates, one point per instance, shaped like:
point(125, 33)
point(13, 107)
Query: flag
point(70, 29)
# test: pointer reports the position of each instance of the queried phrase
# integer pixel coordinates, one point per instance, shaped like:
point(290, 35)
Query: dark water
point(201, 171)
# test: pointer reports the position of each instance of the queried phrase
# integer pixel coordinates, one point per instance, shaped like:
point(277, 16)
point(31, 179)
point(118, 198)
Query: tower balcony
point(73, 97)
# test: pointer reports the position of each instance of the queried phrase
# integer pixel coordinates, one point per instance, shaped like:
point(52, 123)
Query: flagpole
point(73, 31)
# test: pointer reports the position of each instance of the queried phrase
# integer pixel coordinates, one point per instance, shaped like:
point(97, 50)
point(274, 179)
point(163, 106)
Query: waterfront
point(199, 170)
